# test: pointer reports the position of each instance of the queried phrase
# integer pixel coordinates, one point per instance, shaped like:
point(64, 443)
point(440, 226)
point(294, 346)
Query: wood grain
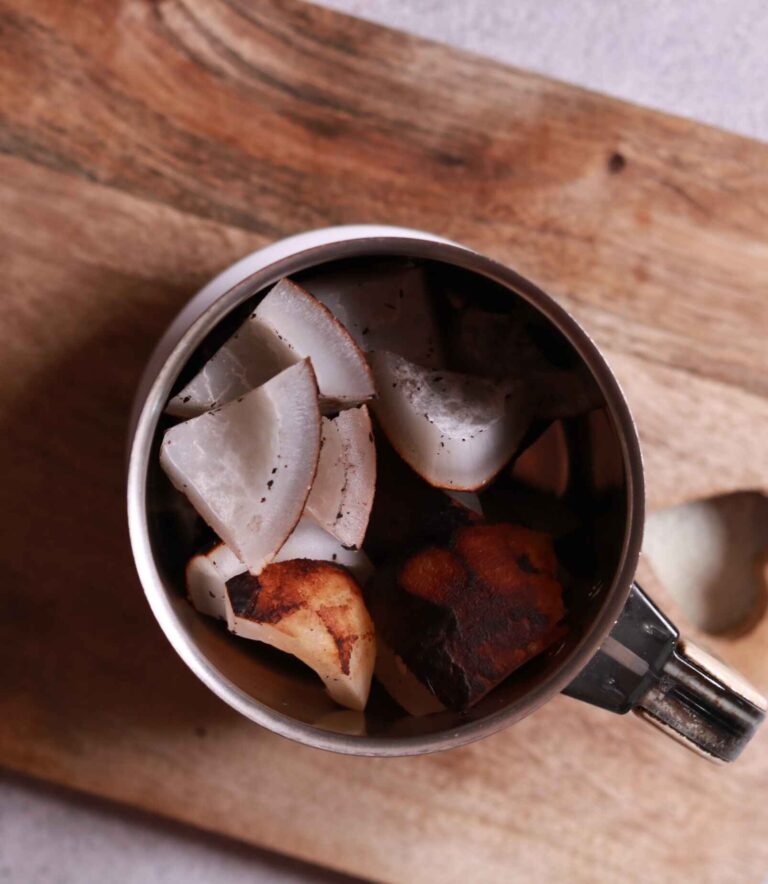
point(147, 145)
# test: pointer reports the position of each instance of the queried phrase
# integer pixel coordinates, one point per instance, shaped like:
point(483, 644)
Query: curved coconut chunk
point(314, 611)
point(342, 494)
point(454, 430)
point(251, 357)
point(206, 577)
point(247, 467)
point(207, 572)
point(384, 307)
point(310, 329)
point(287, 326)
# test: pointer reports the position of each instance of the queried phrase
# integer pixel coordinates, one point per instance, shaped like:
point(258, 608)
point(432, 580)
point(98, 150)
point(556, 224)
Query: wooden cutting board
point(147, 145)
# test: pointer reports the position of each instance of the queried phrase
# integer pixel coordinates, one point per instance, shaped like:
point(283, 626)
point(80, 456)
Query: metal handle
point(645, 667)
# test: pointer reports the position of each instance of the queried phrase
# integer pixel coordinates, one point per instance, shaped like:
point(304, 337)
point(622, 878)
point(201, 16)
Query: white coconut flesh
point(325, 623)
point(310, 329)
point(288, 325)
point(310, 541)
point(402, 685)
point(206, 577)
point(454, 430)
point(251, 357)
point(342, 494)
point(247, 466)
point(384, 307)
point(207, 573)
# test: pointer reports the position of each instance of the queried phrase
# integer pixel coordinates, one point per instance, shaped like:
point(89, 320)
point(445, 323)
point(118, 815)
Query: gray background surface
point(708, 61)
point(705, 60)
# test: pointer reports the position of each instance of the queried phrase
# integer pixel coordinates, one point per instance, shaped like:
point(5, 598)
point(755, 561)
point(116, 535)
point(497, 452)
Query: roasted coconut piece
point(208, 571)
point(465, 614)
point(315, 611)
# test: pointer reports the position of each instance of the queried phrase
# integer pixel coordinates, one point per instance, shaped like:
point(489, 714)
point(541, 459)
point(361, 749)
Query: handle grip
point(645, 667)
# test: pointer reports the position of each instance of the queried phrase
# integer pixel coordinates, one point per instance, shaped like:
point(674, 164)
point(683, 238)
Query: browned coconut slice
point(247, 467)
point(207, 572)
point(463, 615)
point(454, 430)
point(314, 611)
point(384, 306)
point(287, 326)
point(342, 494)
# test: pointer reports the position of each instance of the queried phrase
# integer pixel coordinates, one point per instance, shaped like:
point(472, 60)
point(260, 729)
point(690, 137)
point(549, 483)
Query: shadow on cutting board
point(79, 649)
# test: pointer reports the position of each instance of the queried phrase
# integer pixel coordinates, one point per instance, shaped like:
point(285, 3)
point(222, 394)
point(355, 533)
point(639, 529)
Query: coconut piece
point(463, 615)
point(287, 326)
point(207, 572)
point(247, 466)
point(252, 356)
point(342, 494)
point(314, 611)
point(206, 577)
point(384, 307)
point(455, 430)
point(402, 685)
point(310, 541)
